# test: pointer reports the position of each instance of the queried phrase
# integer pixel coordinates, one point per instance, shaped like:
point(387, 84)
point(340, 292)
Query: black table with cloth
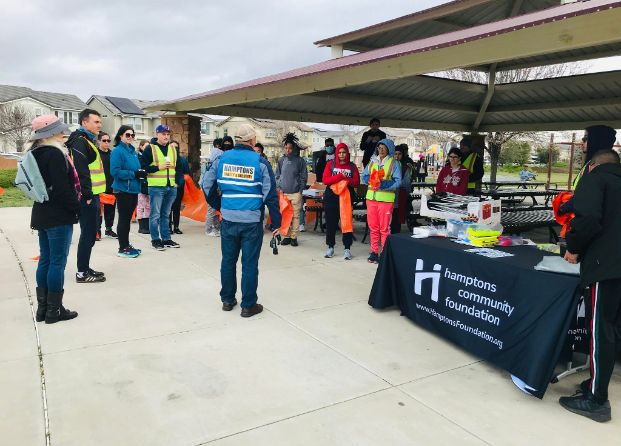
point(500, 309)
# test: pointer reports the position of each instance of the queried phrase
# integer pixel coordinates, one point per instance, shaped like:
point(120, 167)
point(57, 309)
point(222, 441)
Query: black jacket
point(595, 232)
point(63, 206)
point(369, 140)
point(477, 170)
point(105, 160)
point(82, 154)
point(147, 158)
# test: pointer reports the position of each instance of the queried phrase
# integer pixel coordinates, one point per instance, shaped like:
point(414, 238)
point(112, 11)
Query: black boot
point(41, 304)
point(55, 310)
point(143, 226)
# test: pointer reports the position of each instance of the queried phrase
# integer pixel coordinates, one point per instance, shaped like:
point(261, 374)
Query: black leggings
point(332, 223)
point(126, 204)
point(175, 211)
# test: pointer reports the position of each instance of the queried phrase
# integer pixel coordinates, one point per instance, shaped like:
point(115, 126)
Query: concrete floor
point(152, 359)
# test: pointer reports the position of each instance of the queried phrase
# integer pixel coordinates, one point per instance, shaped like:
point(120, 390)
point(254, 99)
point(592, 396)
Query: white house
point(30, 104)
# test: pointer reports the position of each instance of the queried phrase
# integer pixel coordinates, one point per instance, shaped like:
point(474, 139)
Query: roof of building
point(452, 16)
point(60, 101)
point(270, 123)
point(130, 107)
point(389, 82)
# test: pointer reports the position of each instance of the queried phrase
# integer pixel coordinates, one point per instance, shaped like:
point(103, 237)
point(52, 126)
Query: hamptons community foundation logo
point(231, 171)
point(474, 298)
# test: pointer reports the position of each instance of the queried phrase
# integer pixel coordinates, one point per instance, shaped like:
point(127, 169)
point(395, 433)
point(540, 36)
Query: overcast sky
point(163, 49)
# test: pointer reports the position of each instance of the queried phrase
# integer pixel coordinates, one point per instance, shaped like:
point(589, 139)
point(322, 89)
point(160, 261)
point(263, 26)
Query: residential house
point(117, 111)
point(339, 136)
point(399, 136)
point(269, 133)
point(30, 104)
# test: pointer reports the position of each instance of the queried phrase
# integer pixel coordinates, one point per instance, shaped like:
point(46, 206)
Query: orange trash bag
point(194, 201)
point(376, 178)
point(563, 219)
point(286, 210)
point(345, 207)
point(107, 198)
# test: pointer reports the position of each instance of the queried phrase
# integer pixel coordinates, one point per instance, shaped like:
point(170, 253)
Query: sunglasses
point(105, 140)
point(130, 135)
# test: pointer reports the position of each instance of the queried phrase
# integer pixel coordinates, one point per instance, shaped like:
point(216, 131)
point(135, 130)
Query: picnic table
point(495, 185)
point(517, 196)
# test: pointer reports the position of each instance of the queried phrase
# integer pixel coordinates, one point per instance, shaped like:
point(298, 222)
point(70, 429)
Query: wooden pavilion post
point(571, 161)
point(550, 160)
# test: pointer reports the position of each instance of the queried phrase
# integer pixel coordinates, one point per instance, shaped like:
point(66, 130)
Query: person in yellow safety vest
point(473, 162)
point(88, 164)
point(159, 159)
point(383, 176)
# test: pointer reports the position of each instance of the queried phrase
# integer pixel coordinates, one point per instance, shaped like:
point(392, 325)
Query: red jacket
point(453, 182)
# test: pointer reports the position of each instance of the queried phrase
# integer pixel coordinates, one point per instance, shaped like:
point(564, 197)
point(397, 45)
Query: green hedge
point(7, 176)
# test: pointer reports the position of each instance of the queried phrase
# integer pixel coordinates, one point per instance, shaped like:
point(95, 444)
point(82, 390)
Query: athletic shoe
point(136, 249)
point(95, 273)
point(294, 242)
point(329, 252)
point(177, 231)
point(373, 258)
point(110, 233)
point(170, 244)
point(157, 244)
point(98, 236)
point(87, 277)
point(128, 253)
point(586, 406)
point(347, 254)
point(302, 228)
point(286, 241)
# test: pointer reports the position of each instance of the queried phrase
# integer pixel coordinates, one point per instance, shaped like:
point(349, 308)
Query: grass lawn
point(13, 197)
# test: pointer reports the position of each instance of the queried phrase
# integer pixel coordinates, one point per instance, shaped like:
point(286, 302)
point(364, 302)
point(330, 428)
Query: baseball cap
point(162, 128)
point(245, 133)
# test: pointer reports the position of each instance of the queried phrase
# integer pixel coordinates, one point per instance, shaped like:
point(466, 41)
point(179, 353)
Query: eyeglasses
point(454, 157)
point(130, 135)
point(105, 140)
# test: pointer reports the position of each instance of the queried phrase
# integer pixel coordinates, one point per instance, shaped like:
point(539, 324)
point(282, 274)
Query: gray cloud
point(160, 49)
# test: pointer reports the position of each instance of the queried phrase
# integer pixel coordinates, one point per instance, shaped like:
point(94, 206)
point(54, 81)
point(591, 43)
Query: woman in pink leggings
point(383, 175)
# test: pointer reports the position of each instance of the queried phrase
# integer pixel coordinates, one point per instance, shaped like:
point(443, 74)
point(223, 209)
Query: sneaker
point(177, 231)
point(128, 253)
point(95, 273)
point(347, 254)
point(98, 236)
point(586, 406)
point(110, 233)
point(87, 277)
point(170, 244)
point(329, 252)
point(373, 258)
point(136, 249)
point(157, 244)
point(286, 241)
point(302, 228)
point(249, 312)
point(294, 242)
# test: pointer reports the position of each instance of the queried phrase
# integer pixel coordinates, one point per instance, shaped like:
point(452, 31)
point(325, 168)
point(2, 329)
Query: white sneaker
point(302, 228)
point(329, 253)
point(347, 254)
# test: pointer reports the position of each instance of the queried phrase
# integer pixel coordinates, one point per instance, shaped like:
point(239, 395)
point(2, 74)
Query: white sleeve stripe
point(240, 183)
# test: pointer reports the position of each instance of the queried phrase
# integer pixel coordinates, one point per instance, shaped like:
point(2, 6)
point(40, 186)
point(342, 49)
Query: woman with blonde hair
point(54, 218)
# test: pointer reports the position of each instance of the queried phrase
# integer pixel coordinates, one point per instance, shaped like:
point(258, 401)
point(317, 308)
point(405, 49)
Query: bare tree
point(495, 140)
point(349, 138)
point(15, 125)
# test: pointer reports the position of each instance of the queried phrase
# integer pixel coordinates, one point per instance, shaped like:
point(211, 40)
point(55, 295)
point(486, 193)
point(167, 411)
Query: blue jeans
point(89, 224)
point(161, 200)
point(54, 246)
point(248, 238)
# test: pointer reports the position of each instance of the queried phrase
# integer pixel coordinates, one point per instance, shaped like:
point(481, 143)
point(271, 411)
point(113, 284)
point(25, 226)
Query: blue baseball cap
point(162, 129)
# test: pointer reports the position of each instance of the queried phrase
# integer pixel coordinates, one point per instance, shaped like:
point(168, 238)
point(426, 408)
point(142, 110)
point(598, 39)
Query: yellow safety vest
point(162, 177)
point(576, 180)
point(386, 196)
point(469, 164)
point(98, 175)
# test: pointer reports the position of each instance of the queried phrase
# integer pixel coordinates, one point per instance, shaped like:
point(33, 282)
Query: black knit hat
point(599, 137)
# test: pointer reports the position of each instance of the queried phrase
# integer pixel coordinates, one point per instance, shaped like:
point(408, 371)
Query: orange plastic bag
point(345, 207)
point(286, 210)
point(1, 191)
point(376, 178)
point(107, 198)
point(194, 201)
point(563, 219)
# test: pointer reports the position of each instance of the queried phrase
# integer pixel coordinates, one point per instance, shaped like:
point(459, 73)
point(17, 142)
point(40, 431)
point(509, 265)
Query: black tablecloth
point(500, 309)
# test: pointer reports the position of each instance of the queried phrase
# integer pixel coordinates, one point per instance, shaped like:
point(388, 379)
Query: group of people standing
point(77, 171)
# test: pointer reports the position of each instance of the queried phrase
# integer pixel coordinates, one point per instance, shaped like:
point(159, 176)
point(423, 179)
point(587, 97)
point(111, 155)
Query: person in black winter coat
point(594, 239)
point(54, 218)
point(82, 150)
point(369, 140)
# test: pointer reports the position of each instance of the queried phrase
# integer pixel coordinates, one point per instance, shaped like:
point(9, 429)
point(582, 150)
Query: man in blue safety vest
point(246, 184)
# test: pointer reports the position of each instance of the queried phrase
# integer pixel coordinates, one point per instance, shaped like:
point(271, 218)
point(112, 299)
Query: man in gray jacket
point(291, 176)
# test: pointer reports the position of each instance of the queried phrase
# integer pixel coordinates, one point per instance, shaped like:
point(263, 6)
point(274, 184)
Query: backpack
point(29, 179)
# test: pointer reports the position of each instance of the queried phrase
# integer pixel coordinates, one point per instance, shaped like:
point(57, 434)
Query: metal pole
point(550, 160)
point(571, 161)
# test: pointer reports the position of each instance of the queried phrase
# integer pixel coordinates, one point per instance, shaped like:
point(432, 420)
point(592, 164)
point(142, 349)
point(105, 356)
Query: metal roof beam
point(552, 106)
point(285, 115)
point(546, 126)
point(386, 100)
point(491, 83)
